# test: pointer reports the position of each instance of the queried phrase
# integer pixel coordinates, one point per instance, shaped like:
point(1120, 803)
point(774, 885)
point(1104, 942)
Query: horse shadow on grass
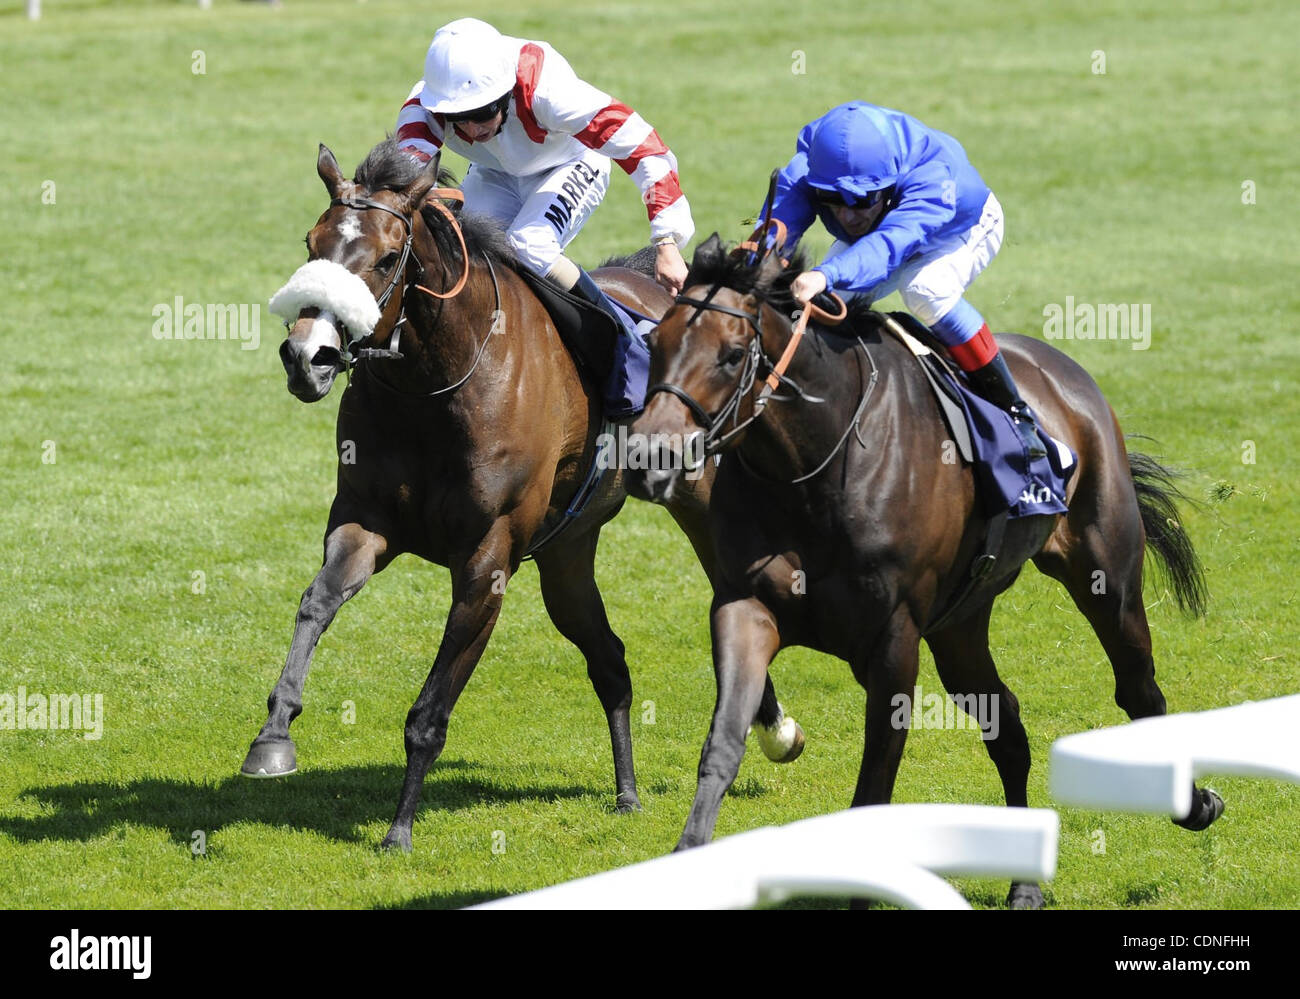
point(339, 803)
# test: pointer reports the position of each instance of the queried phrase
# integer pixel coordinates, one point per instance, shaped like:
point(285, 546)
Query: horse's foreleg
point(780, 736)
point(745, 639)
point(573, 601)
point(477, 588)
point(888, 672)
point(351, 556)
point(969, 674)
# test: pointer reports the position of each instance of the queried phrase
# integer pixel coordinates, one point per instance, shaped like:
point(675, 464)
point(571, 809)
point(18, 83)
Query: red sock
point(975, 352)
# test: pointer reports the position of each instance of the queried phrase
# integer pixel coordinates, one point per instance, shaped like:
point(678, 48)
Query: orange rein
point(809, 311)
point(757, 244)
point(435, 199)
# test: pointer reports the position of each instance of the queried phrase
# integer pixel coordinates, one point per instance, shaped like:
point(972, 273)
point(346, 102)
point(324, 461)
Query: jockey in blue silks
point(909, 214)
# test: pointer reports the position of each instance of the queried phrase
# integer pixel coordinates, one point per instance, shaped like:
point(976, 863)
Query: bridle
point(433, 199)
point(716, 436)
point(382, 299)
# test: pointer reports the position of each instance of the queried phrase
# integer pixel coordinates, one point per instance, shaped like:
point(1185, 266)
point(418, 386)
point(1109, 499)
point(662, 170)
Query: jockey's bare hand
point(807, 285)
point(670, 268)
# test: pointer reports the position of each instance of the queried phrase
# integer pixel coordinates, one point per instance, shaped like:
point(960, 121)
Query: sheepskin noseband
point(326, 285)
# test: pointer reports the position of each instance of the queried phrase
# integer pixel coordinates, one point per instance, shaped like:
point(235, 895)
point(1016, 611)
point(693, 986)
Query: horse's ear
point(710, 249)
point(328, 168)
point(428, 179)
point(770, 267)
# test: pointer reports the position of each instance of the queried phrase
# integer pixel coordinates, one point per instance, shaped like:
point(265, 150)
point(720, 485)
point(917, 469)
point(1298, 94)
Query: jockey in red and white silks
point(540, 142)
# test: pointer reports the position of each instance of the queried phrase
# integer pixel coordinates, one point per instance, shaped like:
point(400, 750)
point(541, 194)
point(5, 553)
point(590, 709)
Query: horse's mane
point(642, 261)
point(388, 167)
point(714, 263)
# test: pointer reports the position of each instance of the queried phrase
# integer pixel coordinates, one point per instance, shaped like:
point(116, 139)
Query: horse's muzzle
point(311, 370)
point(653, 484)
point(311, 358)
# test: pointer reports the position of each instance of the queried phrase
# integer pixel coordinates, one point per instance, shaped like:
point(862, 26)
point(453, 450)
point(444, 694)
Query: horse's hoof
point(1206, 807)
point(1024, 895)
point(627, 802)
point(797, 749)
point(783, 742)
point(270, 759)
point(396, 840)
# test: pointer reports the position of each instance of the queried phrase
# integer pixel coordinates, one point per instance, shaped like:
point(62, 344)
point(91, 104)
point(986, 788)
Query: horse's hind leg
point(352, 555)
point(780, 736)
point(573, 601)
point(1097, 553)
point(966, 667)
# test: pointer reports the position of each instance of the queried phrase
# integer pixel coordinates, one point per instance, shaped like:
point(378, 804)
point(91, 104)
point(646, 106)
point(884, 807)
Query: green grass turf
point(175, 458)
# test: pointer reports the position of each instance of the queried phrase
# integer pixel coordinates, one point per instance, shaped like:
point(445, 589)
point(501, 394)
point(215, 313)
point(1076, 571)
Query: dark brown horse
point(862, 557)
point(465, 451)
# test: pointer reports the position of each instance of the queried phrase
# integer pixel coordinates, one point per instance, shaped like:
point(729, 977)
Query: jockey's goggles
point(834, 199)
point(479, 115)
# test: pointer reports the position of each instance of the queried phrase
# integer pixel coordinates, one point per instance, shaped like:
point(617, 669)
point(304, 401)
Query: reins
point(434, 200)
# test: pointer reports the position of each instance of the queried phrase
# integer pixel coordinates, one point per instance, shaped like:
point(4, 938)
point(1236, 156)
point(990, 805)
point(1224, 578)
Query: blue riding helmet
point(853, 153)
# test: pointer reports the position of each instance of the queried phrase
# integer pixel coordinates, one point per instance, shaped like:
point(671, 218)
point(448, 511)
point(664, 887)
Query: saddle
point(590, 335)
point(588, 332)
point(1004, 492)
point(925, 347)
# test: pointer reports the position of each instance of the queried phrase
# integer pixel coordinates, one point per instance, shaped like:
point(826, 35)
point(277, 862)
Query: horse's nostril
point(327, 357)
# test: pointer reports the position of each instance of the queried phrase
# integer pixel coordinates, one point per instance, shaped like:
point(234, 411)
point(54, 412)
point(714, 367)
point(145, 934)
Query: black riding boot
point(624, 391)
point(588, 289)
point(994, 383)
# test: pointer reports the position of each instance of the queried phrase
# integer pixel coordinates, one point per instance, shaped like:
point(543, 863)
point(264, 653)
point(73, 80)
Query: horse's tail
point(1157, 496)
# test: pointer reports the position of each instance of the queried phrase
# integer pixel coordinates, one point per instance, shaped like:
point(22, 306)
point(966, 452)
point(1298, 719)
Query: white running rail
point(1148, 765)
point(894, 853)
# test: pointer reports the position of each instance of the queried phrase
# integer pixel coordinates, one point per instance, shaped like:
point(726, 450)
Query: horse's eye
point(387, 262)
point(733, 357)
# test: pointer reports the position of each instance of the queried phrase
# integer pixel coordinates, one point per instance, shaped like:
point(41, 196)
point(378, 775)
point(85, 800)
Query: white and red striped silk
point(553, 116)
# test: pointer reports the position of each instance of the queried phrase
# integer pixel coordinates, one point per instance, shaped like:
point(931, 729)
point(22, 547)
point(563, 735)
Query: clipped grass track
point(176, 458)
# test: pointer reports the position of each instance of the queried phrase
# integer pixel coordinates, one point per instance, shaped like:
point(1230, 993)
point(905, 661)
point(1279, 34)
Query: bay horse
point(462, 441)
point(839, 525)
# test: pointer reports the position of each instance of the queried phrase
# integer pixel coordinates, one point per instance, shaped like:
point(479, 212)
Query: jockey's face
point(860, 217)
point(479, 131)
point(856, 221)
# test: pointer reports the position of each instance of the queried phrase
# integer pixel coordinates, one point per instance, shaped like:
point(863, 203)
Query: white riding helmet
point(469, 65)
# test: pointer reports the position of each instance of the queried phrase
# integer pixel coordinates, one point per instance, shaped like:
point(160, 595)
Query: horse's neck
point(444, 337)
